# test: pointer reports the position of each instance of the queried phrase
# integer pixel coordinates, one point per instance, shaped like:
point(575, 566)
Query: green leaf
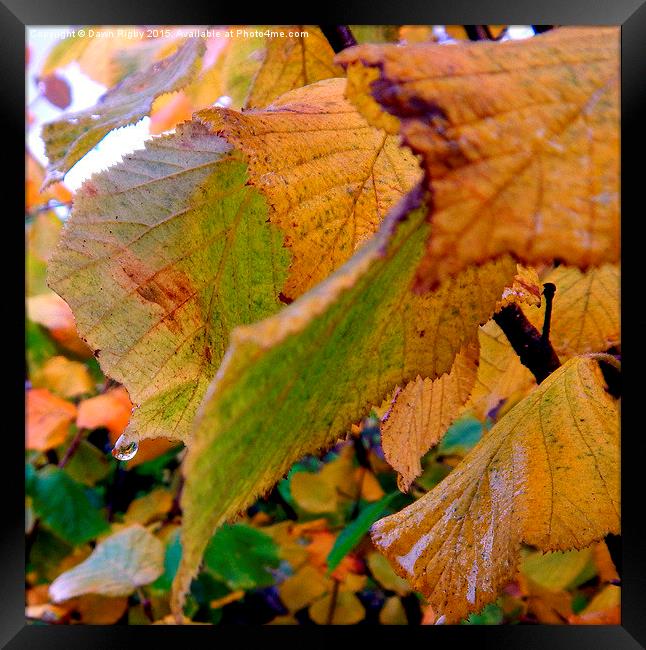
point(88, 465)
point(163, 255)
point(240, 555)
point(352, 534)
point(68, 139)
point(490, 614)
point(460, 437)
point(38, 345)
point(172, 557)
point(293, 383)
point(118, 565)
point(64, 506)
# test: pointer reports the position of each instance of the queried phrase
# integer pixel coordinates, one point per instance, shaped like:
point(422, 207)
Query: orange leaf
point(110, 410)
point(48, 419)
point(169, 110)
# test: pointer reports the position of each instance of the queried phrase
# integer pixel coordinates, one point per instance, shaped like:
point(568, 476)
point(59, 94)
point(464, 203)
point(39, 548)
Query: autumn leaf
point(547, 474)
point(52, 312)
point(585, 311)
point(291, 62)
point(328, 176)
point(68, 139)
point(162, 256)
point(345, 609)
point(105, 60)
point(519, 140)
point(34, 177)
point(179, 317)
point(48, 419)
point(110, 410)
point(321, 362)
point(422, 412)
point(64, 377)
point(118, 565)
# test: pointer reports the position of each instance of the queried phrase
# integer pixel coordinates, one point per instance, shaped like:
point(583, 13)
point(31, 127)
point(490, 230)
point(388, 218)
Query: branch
point(338, 36)
point(534, 352)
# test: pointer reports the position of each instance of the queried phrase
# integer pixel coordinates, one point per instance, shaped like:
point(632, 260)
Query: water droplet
point(125, 449)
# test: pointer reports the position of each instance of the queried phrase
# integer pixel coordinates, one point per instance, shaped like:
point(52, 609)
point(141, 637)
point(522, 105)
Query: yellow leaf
point(526, 289)
point(383, 573)
point(500, 373)
point(393, 613)
point(519, 140)
point(322, 491)
point(422, 412)
point(328, 176)
point(346, 609)
point(555, 571)
point(48, 419)
point(371, 490)
point(585, 311)
point(151, 506)
point(303, 588)
point(547, 474)
point(603, 609)
point(65, 377)
point(291, 62)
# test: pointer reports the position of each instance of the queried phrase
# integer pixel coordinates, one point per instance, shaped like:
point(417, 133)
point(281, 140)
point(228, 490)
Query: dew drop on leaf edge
point(125, 449)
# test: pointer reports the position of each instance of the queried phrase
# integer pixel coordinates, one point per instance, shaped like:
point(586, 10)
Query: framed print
point(325, 323)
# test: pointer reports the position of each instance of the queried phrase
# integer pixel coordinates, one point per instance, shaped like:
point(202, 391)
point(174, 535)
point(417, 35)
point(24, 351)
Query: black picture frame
point(16, 15)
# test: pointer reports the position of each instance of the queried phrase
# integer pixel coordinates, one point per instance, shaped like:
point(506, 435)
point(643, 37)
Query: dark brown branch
point(338, 36)
point(534, 353)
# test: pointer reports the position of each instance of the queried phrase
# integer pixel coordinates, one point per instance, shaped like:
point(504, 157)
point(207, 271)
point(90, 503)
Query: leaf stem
point(549, 289)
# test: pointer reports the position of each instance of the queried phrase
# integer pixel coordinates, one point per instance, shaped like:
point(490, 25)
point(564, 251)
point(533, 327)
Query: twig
point(338, 36)
point(146, 605)
point(335, 594)
point(71, 450)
